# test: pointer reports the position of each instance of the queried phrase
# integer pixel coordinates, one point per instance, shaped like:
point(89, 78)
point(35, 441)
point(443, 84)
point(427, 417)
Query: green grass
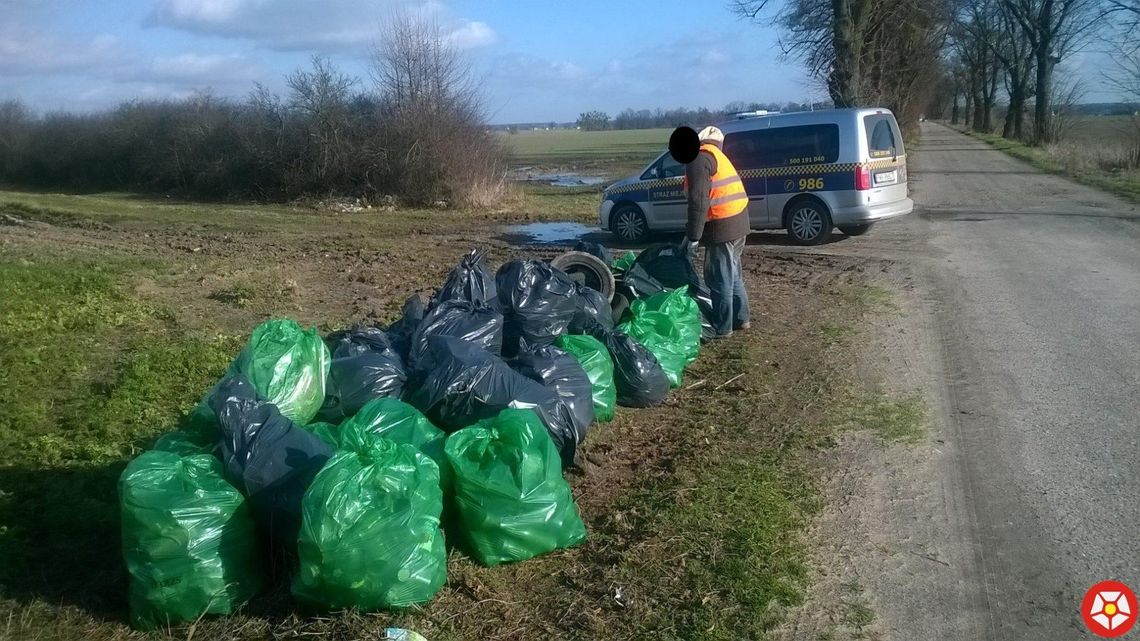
point(1071, 159)
point(697, 520)
point(92, 375)
point(612, 153)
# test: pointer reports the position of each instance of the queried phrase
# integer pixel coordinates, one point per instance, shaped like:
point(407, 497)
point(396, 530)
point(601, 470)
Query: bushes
point(421, 140)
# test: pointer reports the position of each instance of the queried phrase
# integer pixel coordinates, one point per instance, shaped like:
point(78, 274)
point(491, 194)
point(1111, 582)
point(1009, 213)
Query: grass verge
point(1064, 162)
point(695, 508)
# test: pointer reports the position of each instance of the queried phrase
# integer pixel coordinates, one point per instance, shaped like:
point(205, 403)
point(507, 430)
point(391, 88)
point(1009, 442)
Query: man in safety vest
point(718, 219)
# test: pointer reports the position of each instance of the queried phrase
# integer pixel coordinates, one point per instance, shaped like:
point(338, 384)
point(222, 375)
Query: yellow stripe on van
point(790, 170)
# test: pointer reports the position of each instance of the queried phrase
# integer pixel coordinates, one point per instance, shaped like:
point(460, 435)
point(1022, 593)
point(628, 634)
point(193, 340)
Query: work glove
point(689, 247)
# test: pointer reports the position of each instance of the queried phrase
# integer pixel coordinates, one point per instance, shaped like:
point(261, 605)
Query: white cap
point(711, 134)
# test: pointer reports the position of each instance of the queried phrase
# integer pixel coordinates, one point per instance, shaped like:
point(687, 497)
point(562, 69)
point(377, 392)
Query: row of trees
point(864, 52)
point(920, 55)
point(1018, 44)
point(657, 118)
point(415, 131)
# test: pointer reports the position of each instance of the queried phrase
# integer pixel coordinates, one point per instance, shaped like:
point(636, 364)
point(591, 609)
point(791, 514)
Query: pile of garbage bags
point(348, 462)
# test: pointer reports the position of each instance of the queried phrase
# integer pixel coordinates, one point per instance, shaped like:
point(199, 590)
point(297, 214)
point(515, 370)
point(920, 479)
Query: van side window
point(882, 137)
point(746, 148)
point(783, 146)
point(805, 145)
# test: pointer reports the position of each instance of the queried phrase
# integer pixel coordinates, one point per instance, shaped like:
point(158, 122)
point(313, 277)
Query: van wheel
point(855, 230)
point(629, 224)
point(808, 223)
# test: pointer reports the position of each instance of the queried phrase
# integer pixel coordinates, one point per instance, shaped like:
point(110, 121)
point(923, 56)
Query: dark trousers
point(725, 279)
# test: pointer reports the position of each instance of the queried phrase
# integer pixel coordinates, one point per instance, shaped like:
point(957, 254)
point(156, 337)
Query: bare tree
point(1054, 29)
point(828, 35)
point(14, 119)
point(413, 64)
point(1128, 12)
point(320, 96)
point(434, 143)
point(976, 36)
point(1124, 76)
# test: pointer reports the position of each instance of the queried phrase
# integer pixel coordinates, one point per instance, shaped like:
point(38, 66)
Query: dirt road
point(1024, 326)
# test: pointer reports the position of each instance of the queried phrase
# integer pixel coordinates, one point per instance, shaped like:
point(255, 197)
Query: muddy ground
point(697, 509)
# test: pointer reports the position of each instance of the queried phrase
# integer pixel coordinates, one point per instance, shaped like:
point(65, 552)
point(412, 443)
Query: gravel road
point(1024, 323)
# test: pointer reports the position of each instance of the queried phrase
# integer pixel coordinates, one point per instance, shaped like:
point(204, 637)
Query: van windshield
point(883, 138)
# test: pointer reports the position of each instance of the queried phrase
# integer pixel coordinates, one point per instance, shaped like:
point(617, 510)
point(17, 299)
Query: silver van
point(805, 172)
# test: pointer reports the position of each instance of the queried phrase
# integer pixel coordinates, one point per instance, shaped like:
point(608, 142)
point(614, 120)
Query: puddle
point(556, 179)
point(552, 233)
point(576, 181)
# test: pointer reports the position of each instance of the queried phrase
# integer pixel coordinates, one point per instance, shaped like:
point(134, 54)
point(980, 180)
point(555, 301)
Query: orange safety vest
point(727, 196)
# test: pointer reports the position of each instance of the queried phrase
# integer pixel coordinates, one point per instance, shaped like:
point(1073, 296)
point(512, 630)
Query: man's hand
point(689, 247)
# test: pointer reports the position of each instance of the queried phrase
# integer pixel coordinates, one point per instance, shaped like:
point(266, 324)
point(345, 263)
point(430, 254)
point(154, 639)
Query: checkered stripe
point(791, 170)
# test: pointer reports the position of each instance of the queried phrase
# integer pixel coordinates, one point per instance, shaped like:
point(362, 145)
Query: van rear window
point(783, 146)
point(883, 139)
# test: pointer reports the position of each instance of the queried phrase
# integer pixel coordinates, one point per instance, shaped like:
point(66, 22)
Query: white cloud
point(471, 35)
point(211, 69)
point(329, 26)
point(528, 70)
point(31, 51)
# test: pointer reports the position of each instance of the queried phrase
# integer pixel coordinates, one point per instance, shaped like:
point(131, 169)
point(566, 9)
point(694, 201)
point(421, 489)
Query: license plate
point(887, 177)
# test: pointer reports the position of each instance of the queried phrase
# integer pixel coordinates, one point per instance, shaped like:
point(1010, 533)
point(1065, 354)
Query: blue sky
point(537, 59)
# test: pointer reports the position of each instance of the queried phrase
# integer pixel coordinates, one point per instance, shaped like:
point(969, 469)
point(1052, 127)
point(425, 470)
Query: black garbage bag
point(266, 456)
point(470, 280)
point(400, 332)
point(639, 378)
point(590, 304)
point(538, 302)
point(462, 383)
point(560, 371)
point(664, 267)
point(364, 367)
point(471, 322)
point(597, 249)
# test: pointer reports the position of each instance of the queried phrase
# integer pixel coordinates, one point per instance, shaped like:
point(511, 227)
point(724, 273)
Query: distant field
point(1101, 130)
point(610, 152)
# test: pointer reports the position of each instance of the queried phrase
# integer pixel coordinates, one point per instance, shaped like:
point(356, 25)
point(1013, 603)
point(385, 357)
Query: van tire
point(808, 222)
point(855, 230)
point(628, 223)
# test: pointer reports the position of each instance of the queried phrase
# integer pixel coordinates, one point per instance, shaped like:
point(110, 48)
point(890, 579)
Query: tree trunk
point(991, 96)
point(1007, 126)
point(1042, 109)
point(1015, 116)
point(954, 109)
point(977, 83)
point(968, 111)
point(847, 41)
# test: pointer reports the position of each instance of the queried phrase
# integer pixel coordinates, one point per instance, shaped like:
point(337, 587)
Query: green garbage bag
point(188, 539)
point(184, 443)
point(327, 432)
point(288, 366)
point(623, 263)
point(370, 536)
point(510, 497)
point(593, 356)
point(395, 420)
point(669, 325)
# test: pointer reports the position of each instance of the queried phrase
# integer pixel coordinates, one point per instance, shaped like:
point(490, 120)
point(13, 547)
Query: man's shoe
point(743, 327)
point(717, 337)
